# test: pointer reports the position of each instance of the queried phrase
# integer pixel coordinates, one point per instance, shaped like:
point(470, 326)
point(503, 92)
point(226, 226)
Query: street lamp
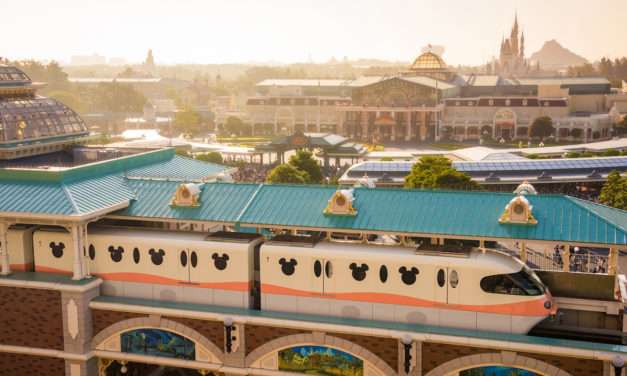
point(618, 363)
point(407, 345)
point(229, 328)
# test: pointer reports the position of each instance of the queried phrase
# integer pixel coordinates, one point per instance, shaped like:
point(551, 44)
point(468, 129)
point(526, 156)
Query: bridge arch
point(505, 358)
point(109, 338)
point(266, 356)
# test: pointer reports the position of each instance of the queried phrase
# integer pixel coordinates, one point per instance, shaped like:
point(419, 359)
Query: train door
point(256, 290)
point(188, 262)
point(320, 274)
point(447, 285)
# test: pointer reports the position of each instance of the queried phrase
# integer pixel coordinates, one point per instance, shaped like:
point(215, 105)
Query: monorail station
point(147, 263)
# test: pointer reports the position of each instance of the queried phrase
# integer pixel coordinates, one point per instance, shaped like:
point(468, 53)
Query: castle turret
point(522, 45)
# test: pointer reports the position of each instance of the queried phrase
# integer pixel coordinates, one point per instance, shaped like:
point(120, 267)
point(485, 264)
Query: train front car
point(475, 290)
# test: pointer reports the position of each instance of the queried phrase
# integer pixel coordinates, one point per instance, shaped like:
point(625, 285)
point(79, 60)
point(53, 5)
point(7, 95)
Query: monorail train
point(155, 264)
point(483, 290)
point(478, 290)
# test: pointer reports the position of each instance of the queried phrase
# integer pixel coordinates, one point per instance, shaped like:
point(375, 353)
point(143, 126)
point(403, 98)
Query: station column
point(4, 249)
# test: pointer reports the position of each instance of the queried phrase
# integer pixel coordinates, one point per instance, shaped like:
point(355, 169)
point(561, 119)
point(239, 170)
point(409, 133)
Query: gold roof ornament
point(518, 211)
point(187, 195)
point(341, 203)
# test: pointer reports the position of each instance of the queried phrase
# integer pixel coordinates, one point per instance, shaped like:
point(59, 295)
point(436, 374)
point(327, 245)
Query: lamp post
point(407, 345)
point(618, 363)
point(229, 328)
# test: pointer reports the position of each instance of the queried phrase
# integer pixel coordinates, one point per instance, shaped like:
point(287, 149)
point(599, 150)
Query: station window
point(521, 283)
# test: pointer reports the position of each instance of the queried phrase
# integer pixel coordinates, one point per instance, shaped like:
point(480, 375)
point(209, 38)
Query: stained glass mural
point(319, 360)
point(156, 342)
point(497, 371)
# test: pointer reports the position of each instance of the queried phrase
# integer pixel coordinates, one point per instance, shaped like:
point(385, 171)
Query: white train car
point(52, 251)
point(20, 239)
point(481, 290)
point(163, 265)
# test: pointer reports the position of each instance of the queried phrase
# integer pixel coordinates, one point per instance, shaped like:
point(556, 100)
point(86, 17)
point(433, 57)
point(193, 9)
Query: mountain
point(553, 56)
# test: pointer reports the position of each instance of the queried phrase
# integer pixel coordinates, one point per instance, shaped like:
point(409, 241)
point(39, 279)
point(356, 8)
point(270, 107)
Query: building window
point(157, 342)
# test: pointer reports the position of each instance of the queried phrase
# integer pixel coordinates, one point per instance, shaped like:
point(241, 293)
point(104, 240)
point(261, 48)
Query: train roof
point(363, 253)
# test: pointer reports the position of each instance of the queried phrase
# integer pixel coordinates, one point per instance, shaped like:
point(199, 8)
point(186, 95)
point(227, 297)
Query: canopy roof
point(94, 188)
point(420, 212)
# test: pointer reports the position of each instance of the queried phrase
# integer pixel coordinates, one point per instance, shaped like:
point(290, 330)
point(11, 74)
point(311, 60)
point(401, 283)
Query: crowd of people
point(252, 173)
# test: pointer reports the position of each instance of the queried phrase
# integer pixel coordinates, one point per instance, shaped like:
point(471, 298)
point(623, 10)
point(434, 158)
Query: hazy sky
point(226, 31)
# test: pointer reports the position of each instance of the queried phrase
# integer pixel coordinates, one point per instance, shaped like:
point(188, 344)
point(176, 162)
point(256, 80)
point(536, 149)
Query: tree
point(541, 127)
point(614, 191)
point(187, 121)
point(69, 99)
point(115, 97)
point(437, 172)
point(304, 161)
point(235, 125)
point(212, 157)
point(286, 173)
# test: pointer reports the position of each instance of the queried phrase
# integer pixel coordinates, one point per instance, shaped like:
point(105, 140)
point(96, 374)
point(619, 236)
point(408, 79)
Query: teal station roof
point(454, 213)
point(95, 187)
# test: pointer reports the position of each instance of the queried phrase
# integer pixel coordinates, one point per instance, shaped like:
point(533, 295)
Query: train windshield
point(523, 282)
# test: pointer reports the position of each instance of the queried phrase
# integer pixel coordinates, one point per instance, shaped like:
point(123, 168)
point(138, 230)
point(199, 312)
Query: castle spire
point(513, 40)
point(522, 45)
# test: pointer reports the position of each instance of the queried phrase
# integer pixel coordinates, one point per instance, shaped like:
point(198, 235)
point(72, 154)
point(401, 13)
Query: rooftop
point(428, 61)
point(27, 118)
point(303, 82)
point(97, 187)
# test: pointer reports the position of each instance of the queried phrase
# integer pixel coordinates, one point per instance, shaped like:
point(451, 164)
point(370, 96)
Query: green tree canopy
point(286, 173)
point(235, 125)
point(541, 127)
point(212, 157)
point(187, 121)
point(115, 97)
point(614, 191)
point(437, 172)
point(303, 160)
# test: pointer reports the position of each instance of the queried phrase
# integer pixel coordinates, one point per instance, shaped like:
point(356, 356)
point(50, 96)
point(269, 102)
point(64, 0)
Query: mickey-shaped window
point(359, 272)
point(288, 267)
point(57, 249)
point(408, 275)
point(156, 256)
point(116, 253)
point(220, 262)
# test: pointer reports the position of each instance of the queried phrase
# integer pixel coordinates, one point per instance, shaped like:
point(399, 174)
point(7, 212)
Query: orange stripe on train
point(529, 308)
point(149, 278)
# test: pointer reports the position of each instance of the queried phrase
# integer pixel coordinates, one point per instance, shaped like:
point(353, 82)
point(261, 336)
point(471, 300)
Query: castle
point(511, 60)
